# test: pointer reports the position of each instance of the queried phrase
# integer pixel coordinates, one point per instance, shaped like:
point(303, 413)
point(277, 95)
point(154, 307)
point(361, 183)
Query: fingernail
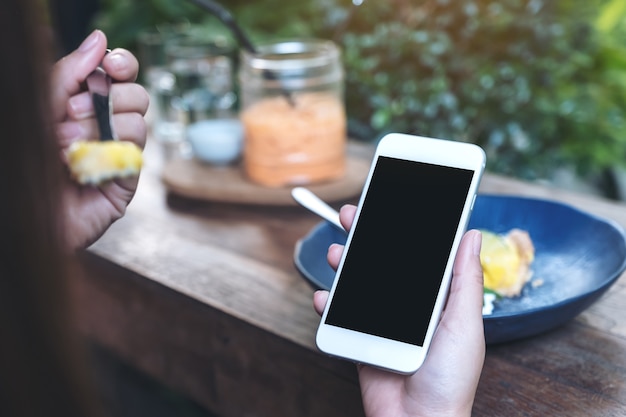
point(116, 60)
point(89, 42)
point(477, 242)
point(69, 131)
point(80, 106)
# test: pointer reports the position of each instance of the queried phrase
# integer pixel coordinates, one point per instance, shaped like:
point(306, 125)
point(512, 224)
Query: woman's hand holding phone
point(446, 383)
point(394, 274)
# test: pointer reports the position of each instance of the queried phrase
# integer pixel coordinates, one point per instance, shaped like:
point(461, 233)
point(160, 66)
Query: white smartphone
point(392, 281)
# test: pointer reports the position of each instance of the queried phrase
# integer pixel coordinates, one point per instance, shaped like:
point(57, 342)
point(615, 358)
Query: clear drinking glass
point(203, 71)
point(165, 121)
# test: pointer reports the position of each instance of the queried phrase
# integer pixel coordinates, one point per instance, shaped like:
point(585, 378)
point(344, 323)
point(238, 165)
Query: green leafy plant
point(524, 79)
point(537, 83)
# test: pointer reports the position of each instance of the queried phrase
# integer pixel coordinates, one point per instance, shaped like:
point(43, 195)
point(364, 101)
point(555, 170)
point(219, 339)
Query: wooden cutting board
point(228, 184)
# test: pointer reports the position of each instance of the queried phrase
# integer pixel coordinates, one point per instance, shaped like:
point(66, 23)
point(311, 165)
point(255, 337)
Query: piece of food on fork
point(92, 162)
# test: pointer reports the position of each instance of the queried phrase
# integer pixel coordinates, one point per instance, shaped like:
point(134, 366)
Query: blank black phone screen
point(396, 261)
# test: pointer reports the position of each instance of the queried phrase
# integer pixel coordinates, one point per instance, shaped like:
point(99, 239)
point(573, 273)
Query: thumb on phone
point(319, 301)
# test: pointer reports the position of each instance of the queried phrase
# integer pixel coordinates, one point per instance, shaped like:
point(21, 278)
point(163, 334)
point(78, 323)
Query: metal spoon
point(307, 199)
point(99, 85)
point(224, 15)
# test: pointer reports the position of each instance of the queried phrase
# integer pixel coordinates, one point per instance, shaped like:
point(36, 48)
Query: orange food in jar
point(295, 143)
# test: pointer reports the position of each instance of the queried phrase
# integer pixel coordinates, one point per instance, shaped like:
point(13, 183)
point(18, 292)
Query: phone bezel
point(377, 351)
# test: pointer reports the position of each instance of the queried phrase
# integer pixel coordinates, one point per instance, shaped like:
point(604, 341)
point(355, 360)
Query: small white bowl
point(216, 141)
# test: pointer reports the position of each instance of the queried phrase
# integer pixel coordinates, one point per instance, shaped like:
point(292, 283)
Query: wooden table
point(205, 297)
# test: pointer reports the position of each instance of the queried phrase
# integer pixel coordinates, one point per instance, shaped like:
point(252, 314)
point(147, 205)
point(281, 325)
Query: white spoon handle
point(312, 202)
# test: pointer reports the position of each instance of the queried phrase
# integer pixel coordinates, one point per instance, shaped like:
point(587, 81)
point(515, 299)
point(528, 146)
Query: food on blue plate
point(506, 260)
point(95, 162)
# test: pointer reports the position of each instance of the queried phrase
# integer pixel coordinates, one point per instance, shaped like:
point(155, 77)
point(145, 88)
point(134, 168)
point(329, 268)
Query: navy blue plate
point(578, 256)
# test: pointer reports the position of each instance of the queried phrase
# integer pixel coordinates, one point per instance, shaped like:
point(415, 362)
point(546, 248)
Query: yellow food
point(506, 261)
point(94, 162)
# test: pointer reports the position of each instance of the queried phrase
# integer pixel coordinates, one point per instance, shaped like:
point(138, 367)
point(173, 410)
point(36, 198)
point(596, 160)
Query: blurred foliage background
point(539, 84)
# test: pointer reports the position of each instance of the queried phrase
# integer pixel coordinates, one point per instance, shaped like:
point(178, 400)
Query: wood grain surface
point(204, 296)
point(228, 184)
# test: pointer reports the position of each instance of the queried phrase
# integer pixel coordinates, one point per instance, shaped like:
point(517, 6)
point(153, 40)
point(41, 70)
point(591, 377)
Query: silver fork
point(99, 86)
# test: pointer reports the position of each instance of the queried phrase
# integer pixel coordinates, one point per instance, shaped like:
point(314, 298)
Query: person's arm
point(446, 383)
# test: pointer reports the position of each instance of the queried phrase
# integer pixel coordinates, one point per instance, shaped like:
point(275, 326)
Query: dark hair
point(40, 363)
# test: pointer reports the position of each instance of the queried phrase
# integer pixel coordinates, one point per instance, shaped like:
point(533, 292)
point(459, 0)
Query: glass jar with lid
point(293, 113)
